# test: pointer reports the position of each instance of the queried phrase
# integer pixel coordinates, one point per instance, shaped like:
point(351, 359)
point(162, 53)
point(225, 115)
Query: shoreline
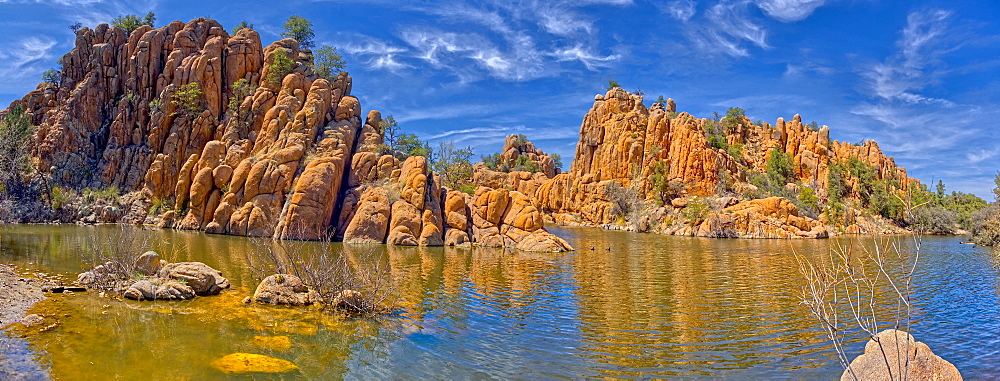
point(18, 293)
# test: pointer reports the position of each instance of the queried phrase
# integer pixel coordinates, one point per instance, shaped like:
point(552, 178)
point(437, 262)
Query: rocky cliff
point(213, 132)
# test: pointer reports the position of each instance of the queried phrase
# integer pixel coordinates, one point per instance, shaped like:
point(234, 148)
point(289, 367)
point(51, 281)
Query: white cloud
point(789, 10)
point(377, 54)
point(681, 10)
point(589, 59)
point(981, 155)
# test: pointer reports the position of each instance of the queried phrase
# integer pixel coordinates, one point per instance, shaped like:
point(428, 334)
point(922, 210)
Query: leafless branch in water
point(332, 274)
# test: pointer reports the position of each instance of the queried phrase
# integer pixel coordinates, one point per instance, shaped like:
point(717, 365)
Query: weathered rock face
point(262, 150)
point(519, 152)
point(900, 351)
point(502, 218)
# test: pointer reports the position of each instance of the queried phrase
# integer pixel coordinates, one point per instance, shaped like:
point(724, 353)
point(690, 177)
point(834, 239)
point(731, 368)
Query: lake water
point(652, 306)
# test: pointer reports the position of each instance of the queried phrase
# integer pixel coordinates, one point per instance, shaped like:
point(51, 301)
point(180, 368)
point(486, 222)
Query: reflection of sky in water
point(652, 306)
point(17, 360)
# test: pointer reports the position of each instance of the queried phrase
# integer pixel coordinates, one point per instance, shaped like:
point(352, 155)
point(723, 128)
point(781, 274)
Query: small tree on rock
point(300, 29)
point(328, 63)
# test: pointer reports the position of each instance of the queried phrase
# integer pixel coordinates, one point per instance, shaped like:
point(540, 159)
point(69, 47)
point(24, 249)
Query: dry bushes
point(342, 283)
point(866, 288)
point(112, 259)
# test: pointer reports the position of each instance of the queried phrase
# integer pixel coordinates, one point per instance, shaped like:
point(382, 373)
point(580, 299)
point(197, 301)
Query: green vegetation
point(15, 133)
point(75, 27)
point(613, 84)
point(779, 167)
point(454, 166)
point(241, 90)
point(131, 22)
point(300, 29)
point(328, 63)
point(556, 161)
point(51, 76)
point(188, 99)
point(281, 65)
point(663, 188)
point(660, 100)
point(242, 25)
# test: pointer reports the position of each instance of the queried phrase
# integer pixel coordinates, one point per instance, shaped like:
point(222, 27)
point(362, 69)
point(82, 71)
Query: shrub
point(241, 90)
point(492, 161)
point(243, 24)
point(453, 165)
point(984, 226)
point(613, 84)
point(281, 65)
point(626, 202)
point(808, 201)
point(934, 220)
point(15, 136)
point(779, 167)
point(131, 22)
point(696, 210)
point(188, 99)
point(328, 273)
point(523, 163)
point(556, 161)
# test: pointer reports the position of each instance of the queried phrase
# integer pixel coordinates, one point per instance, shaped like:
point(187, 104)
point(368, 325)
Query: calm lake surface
point(652, 306)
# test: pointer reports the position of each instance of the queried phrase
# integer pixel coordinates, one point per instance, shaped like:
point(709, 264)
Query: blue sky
point(919, 77)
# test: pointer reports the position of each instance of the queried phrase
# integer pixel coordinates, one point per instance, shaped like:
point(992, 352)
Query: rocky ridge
point(260, 151)
point(623, 143)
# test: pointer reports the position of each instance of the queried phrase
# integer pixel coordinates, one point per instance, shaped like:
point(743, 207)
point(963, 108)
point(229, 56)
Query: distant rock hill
point(711, 177)
point(207, 131)
point(213, 132)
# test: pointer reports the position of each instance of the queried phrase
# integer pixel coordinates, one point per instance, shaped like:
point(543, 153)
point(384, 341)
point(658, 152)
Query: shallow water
point(651, 306)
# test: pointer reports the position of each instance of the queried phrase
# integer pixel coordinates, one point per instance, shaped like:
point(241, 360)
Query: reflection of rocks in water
point(274, 343)
point(239, 363)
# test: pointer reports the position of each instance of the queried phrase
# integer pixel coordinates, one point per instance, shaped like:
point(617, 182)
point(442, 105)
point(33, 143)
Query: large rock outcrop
point(225, 135)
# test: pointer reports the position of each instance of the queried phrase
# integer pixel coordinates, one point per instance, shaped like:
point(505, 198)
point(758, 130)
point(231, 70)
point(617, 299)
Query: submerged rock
point(899, 349)
point(284, 289)
point(239, 363)
point(202, 278)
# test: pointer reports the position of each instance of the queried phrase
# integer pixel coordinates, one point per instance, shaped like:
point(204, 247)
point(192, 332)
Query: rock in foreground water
point(159, 289)
point(901, 351)
point(239, 363)
point(284, 289)
point(202, 278)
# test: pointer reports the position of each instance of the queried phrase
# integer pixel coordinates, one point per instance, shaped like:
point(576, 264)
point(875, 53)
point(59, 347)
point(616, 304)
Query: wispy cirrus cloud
point(726, 29)
point(25, 57)
point(377, 54)
point(923, 41)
